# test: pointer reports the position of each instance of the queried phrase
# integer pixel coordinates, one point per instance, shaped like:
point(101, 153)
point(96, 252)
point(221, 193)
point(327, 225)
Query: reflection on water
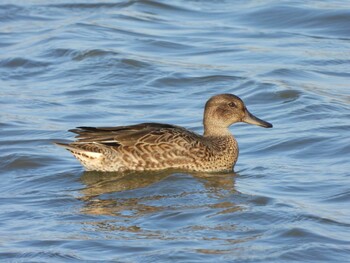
point(166, 205)
point(98, 185)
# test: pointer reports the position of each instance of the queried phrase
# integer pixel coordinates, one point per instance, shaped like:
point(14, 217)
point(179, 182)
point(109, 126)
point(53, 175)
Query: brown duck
point(156, 146)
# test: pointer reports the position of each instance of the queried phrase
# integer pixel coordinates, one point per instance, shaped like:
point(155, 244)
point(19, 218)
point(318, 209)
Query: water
point(71, 63)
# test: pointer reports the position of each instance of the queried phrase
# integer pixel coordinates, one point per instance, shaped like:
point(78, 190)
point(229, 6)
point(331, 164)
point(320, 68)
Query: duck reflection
point(113, 193)
point(98, 183)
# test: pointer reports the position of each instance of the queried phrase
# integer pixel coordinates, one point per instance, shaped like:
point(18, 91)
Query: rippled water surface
point(102, 63)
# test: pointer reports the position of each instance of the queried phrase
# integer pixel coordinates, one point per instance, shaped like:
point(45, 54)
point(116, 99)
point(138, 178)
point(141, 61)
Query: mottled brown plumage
point(156, 146)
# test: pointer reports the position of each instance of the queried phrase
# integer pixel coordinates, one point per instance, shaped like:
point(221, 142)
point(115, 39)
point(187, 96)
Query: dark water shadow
point(113, 193)
point(99, 183)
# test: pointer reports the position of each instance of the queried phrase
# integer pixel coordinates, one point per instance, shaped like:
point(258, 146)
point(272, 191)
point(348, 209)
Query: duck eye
point(232, 105)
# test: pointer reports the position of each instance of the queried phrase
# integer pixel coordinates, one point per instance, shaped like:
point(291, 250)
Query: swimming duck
point(157, 146)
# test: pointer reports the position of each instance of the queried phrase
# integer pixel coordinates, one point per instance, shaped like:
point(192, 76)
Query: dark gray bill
point(251, 119)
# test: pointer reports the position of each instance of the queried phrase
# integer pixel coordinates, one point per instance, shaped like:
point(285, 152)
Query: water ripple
point(68, 64)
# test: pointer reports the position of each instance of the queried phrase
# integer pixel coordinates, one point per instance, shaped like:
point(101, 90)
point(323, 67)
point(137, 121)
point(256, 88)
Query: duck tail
point(75, 149)
point(87, 157)
point(66, 146)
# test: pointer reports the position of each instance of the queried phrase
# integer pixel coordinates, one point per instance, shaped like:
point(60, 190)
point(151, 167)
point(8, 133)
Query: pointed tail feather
point(78, 151)
point(67, 146)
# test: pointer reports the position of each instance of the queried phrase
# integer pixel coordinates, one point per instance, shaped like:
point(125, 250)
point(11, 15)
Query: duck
point(158, 146)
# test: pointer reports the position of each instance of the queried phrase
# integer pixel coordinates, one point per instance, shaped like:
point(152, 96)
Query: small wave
point(91, 6)
point(135, 63)
point(22, 63)
point(18, 161)
point(158, 5)
point(343, 196)
point(287, 73)
point(82, 55)
point(41, 255)
point(179, 80)
point(319, 21)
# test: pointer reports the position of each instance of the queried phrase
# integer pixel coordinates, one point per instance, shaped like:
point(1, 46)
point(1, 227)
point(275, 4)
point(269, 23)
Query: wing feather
point(146, 133)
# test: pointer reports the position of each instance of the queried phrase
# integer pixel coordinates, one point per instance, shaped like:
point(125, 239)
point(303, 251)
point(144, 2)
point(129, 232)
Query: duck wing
point(149, 133)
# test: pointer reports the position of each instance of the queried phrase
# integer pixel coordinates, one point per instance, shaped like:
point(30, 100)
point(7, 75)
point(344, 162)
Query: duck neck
point(214, 131)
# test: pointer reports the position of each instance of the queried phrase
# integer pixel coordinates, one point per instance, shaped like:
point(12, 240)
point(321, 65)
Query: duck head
point(221, 111)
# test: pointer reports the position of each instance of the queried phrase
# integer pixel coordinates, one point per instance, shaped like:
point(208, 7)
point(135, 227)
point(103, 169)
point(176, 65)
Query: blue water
point(91, 63)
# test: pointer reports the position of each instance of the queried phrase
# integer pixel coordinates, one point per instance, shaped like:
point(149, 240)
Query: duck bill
point(251, 119)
